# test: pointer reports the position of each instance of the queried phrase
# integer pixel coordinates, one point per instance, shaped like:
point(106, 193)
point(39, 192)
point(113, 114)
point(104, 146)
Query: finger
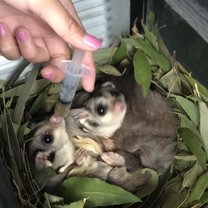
point(62, 22)
point(8, 46)
point(58, 51)
point(28, 48)
point(52, 73)
point(89, 80)
point(71, 10)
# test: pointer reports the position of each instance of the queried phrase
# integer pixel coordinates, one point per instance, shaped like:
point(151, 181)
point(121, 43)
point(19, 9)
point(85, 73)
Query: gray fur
point(147, 133)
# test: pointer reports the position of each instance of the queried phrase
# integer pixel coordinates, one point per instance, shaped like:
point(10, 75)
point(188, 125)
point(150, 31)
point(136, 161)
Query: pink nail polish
point(92, 41)
point(49, 77)
point(22, 37)
point(2, 30)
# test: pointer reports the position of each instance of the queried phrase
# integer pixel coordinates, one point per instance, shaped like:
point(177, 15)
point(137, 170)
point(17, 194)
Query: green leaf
point(151, 18)
point(109, 69)
point(198, 189)
point(151, 185)
point(39, 101)
point(98, 192)
point(78, 204)
point(119, 55)
point(191, 176)
point(186, 157)
point(53, 199)
point(142, 71)
point(54, 89)
point(172, 196)
point(156, 194)
point(185, 122)
point(13, 148)
point(194, 144)
point(200, 87)
point(159, 58)
point(204, 98)
point(143, 45)
point(162, 47)
point(189, 107)
point(38, 86)
point(20, 68)
point(183, 161)
point(171, 81)
point(20, 106)
point(204, 199)
point(22, 131)
point(103, 55)
point(203, 111)
point(150, 37)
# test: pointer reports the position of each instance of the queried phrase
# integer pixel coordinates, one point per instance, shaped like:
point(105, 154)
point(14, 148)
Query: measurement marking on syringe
point(68, 87)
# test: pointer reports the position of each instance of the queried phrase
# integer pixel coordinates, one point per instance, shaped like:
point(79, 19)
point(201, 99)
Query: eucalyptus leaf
point(156, 194)
point(20, 68)
point(203, 110)
point(78, 204)
point(191, 176)
point(37, 87)
point(50, 102)
point(22, 131)
point(194, 144)
point(54, 89)
point(185, 122)
point(53, 199)
point(14, 154)
point(25, 94)
point(102, 56)
point(200, 87)
point(119, 55)
point(142, 71)
point(189, 107)
point(183, 162)
point(204, 98)
point(162, 47)
point(204, 199)
point(195, 99)
point(143, 45)
point(109, 69)
point(39, 101)
point(98, 192)
point(172, 196)
point(151, 185)
point(186, 157)
point(151, 18)
point(198, 189)
point(172, 81)
point(159, 58)
point(150, 37)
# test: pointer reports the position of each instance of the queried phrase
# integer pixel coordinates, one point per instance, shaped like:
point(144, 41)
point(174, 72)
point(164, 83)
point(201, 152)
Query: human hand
point(40, 31)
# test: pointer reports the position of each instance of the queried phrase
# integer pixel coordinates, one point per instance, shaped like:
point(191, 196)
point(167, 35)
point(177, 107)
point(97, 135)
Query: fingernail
point(89, 87)
point(92, 41)
point(49, 77)
point(2, 30)
point(22, 37)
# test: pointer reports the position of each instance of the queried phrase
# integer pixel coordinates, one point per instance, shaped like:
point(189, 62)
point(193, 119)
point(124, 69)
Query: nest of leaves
point(184, 185)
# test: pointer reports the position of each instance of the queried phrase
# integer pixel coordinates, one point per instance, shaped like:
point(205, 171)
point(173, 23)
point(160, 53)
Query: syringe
point(73, 72)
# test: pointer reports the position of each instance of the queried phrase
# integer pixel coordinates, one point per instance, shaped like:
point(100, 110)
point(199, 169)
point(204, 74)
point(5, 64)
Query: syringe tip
point(62, 109)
